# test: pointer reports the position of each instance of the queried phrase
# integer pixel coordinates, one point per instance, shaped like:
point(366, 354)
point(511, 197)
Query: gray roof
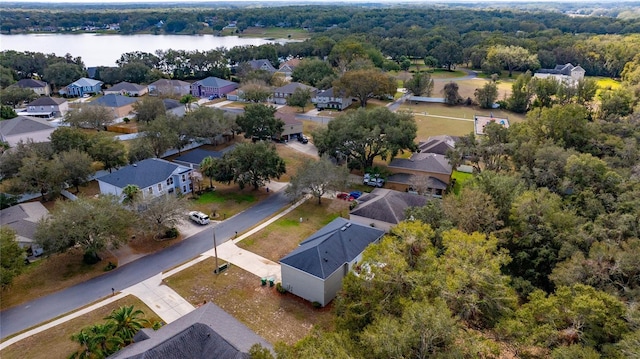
point(23, 218)
point(214, 82)
point(206, 332)
point(425, 162)
point(259, 64)
point(410, 179)
point(387, 205)
point(31, 83)
point(328, 249)
point(167, 82)
point(47, 101)
point(113, 100)
point(292, 87)
point(86, 82)
point(565, 69)
point(170, 103)
point(126, 86)
point(142, 174)
point(329, 93)
point(438, 144)
point(197, 155)
point(23, 124)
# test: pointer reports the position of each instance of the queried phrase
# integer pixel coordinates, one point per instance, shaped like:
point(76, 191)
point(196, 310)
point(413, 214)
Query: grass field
point(56, 342)
point(274, 316)
point(271, 33)
point(460, 178)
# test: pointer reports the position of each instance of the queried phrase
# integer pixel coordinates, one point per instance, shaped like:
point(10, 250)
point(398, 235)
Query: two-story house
point(329, 99)
point(426, 173)
point(167, 87)
point(81, 87)
point(262, 64)
point(154, 177)
point(47, 107)
point(212, 87)
point(281, 94)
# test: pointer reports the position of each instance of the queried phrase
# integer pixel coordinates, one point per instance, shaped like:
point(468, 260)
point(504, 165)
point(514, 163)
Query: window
point(159, 187)
point(150, 190)
point(169, 181)
point(184, 178)
point(184, 189)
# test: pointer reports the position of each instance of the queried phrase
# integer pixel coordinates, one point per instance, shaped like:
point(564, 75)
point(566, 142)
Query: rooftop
point(142, 174)
point(387, 205)
point(113, 100)
point(425, 162)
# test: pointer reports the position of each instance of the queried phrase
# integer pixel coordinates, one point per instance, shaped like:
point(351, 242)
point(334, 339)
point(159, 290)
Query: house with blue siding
point(212, 86)
point(81, 87)
point(154, 177)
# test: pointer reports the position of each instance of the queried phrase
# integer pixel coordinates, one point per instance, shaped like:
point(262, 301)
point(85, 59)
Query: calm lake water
point(104, 50)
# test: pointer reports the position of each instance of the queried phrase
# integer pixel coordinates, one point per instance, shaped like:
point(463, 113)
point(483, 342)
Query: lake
point(104, 50)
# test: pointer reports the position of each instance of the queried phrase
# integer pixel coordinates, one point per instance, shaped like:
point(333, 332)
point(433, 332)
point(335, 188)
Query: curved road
point(30, 314)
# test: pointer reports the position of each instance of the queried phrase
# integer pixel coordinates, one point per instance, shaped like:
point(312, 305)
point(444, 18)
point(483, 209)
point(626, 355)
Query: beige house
point(120, 106)
point(40, 87)
point(23, 128)
point(292, 127)
point(425, 173)
point(167, 87)
point(127, 89)
point(384, 208)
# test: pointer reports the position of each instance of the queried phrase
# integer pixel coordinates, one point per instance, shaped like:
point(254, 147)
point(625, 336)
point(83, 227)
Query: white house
point(567, 74)
point(329, 100)
point(25, 128)
point(47, 107)
point(153, 176)
point(315, 269)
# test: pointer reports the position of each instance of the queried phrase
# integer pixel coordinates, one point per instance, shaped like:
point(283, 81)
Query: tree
point(89, 116)
point(97, 341)
point(448, 53)
point(451, 95)
point(365, 84)
point(254, 164)
point(318, 177)
point(544, 90)
point(149, 109)
point(139, 149)
point(68, 138)
point(255, 91)
point(7, 112)
point(487, 95)
point(158, 214)
point(161, 134)
point(135, 72)
point(208, 168)
point(14, 96)
point(362, 135)
point(513, 58)
point(520, 98)
point(472, 211)
point(62, 73)
point(11, 256)
point(127, 322)
point(90, 223)
point(299, 98)
point(75, 167)
point(7, 77)
point(110, 151)
point(615, 104)
point(312, 71)
point(187, 100)
point(206, 123)
point(420, 84)
point(259, 122)
point(40, 174)
point(131, 193)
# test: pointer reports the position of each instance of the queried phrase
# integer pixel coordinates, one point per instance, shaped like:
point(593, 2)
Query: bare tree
point(317, 177)
point(159, 214)
point(90, 116)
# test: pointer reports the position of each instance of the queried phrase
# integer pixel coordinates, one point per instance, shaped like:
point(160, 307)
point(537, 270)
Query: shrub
point(126, 120)
point(171, 233)
point(280, 288)
point(109, 267)
point(316, 305)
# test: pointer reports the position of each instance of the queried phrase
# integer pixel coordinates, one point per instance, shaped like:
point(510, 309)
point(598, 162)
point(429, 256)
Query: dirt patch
point(273, 316)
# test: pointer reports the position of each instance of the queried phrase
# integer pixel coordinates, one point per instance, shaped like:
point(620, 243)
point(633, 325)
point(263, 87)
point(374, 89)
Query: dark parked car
point(355, 194)
point(303, 139)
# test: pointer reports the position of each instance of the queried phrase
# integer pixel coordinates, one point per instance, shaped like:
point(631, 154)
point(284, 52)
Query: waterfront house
point(287, 67)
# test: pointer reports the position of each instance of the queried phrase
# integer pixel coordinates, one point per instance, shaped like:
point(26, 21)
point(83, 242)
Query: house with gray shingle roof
point(119, 105)
point(127, 88)
point(81, 87)
point(23, 219)
point(206, 332)
point(384, 208)
point(332, 101)
point(168, 87)
point(281, 94)
point(438, 144)
point(315, 269)
point(212, 86)
point(567, 74)
point(262, 64)
point(47, 107)
point(40, 87)
point(422, 172)
point(25, 128)
point(153, 176)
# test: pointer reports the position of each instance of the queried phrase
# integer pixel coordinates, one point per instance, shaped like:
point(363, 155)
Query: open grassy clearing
point(461, 178)
point(284, 235)
point(273, 316)
point(51, 274)
point(274, 32)
point(226, 200)
point(293, 160)
point(56, 342)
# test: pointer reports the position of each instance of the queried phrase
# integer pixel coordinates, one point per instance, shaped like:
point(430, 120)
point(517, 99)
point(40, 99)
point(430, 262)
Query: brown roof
point(287, 118)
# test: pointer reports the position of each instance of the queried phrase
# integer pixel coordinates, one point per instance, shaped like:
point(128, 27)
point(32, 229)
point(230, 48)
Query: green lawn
point(220, 197)
point(460, 178)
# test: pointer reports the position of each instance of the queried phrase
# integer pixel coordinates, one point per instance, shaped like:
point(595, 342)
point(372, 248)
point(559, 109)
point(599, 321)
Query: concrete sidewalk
point(249, 261)
point(163, 300)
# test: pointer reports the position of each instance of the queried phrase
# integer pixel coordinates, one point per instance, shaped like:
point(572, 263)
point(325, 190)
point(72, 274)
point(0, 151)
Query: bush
point(109, 267)
point(91, 258)
point(280, 288)
point(171, 233)
point(126, 120)
point(316, 305)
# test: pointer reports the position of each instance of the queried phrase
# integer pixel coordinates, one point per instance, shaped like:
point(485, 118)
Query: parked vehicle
point(303, 139)
point(199, 217)
point(213, 97)
point(345, 196)
point(372, 180)
point(355, 194)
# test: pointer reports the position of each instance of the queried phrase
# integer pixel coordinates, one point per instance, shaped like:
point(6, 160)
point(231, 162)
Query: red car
point(345, 196)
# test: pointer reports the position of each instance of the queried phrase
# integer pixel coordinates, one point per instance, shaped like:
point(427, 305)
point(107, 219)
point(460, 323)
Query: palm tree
point(97, 341)
point(127, 322)
point(187, 100)
point(208, 168)
point(131, 193)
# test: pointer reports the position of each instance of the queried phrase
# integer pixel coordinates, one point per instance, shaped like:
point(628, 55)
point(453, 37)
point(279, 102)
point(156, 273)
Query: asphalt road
point(30, 314)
